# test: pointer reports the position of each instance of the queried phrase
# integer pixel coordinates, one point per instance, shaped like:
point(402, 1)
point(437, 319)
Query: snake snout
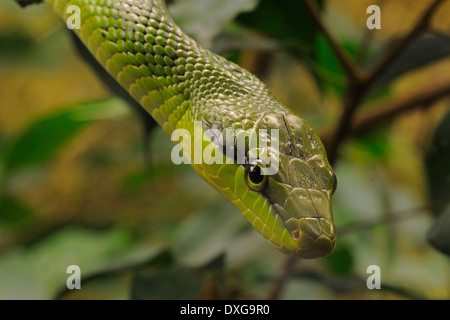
point(315, 237)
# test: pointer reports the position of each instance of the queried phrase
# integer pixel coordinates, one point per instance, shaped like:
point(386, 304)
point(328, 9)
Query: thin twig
point(421, 25)
point(356, 78)
point(358, 86)
point(350, 67)
point(366, 41)
point(384, 111)
point(349, 283)
point(355, 94)
point(354, 74)
point(279, 283)
point(355, 284)
point(358, 89)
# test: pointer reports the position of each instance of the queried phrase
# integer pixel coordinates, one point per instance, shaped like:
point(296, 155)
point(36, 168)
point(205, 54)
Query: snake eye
point(334, 184)
point(255, 176)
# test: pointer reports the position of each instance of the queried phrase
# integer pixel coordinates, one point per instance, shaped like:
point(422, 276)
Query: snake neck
point(167, 72)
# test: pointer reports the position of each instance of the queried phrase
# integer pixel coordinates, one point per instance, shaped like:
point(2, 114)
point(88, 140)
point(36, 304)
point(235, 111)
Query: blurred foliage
point(77, 187)
point(286, 21)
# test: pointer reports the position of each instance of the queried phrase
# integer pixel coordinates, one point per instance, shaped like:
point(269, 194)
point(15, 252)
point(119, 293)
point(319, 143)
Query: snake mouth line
point(309, 248)
point(313, 236)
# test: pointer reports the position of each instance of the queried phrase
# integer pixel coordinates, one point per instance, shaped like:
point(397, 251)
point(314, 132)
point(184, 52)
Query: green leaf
point(205, 19)
point(285, 20)
point(39, 271)
point(237, 38)
point(340, 262)
point(135, 181)
point(175, 282)
point(43, 138)
point(371, 147)
point(13, 212)
point(41, 141)
point(195, 241)
point(328, 68)
point(13, 44)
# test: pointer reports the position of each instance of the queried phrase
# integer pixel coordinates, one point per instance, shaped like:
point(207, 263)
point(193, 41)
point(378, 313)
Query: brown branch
point(366, 41)
point(350, 67)
point(384, 111)
point(354, 284)
point(360, 83)
point(381, 112)
point(280, 282)
point(355, 94)
point(358, 89)
point(355, 75)
point(421, 25)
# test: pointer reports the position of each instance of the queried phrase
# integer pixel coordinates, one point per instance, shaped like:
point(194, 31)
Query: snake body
point(178, 82)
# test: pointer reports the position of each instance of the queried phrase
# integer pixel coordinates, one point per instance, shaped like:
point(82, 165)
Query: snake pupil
point(256, 175)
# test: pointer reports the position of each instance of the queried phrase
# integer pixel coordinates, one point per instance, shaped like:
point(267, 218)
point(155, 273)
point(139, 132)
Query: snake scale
point(179, 83)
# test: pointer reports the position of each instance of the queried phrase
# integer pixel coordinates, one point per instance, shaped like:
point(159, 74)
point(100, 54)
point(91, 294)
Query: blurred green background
point(81, 184)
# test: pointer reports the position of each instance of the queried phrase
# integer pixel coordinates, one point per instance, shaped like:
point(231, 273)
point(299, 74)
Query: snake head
point(299, 194)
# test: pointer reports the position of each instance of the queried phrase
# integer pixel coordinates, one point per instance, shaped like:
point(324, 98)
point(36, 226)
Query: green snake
point(178, 82)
